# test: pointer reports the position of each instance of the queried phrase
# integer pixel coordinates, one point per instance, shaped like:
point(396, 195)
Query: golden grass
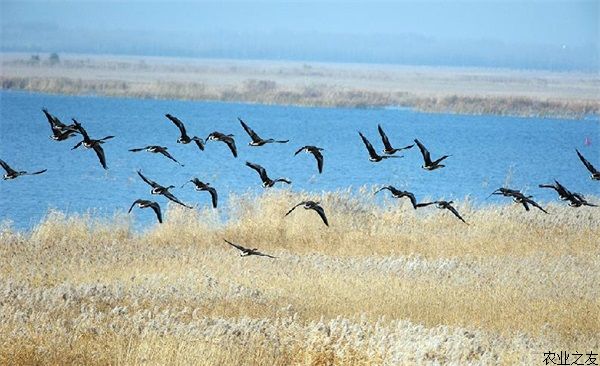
point(382, 285)
point(465, 91)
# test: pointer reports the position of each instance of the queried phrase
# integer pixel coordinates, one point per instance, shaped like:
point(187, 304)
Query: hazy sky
point(543, 23)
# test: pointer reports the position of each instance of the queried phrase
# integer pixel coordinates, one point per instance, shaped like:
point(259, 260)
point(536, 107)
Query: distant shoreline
point(425, 89)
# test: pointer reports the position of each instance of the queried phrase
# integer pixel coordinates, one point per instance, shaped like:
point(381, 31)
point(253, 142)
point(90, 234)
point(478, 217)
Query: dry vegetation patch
point(382, 285)
point(430, 89)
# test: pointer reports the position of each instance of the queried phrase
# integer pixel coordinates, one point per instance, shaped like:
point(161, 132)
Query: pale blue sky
point(439, 27)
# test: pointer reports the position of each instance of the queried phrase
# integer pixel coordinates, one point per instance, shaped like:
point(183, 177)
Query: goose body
point(145, 204)
point(155, 149)
point(396, 193)
point(594, 173)
point(201, 186)
point(89, 143)
point(266, 181)
point(227, 139)
point(518, 197)
point(387, 146)
point(373, 156)
point(316, 152)
point(245, 252)
point(311, 205)
point(506, 192)
point(60, 131)
point(184, 138)
point(443, 205)
point(526, 201)
point(578, 200)
point(257, 140)
point(157, 189)
point(575, 199)
point(428, 164)
point(12, 174)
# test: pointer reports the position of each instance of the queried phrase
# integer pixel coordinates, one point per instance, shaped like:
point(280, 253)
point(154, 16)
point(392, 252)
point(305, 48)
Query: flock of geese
point(62, 132)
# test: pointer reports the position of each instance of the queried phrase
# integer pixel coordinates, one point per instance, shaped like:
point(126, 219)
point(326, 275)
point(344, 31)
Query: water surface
point(486, 151)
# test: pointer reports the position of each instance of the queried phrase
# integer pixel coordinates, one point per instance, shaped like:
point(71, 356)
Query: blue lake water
point(485, 151)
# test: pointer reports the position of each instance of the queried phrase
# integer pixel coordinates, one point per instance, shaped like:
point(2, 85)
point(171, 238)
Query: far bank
point(427, 89)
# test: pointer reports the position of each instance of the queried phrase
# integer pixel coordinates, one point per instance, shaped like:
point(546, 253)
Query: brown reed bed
point(383, 285)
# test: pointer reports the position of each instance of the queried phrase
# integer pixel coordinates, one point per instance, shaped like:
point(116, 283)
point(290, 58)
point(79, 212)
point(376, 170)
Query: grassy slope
point(381, 285)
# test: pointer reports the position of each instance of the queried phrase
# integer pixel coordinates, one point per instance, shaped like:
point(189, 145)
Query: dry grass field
point(431, 89)
point(383, 285)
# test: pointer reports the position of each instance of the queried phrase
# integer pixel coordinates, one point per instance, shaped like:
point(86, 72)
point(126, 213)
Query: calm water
point(485, 150)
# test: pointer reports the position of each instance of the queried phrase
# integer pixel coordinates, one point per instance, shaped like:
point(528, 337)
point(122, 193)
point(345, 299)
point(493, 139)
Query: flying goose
point(245, 252)
point(311, 205)
point(388, 149)
point(60, 131)
point(267, 182)
point(156, 150)
point(201, 186)
point(396, 193)
point(595, 173)
point(158, 189)
point(227, 139)
point(526, 201)
point(256, 140)
point(563, 192)
point(428, 164)
point(518, 197)
point(443, 205)
point(12, 174)
point(89, 143)
point(578, 200)
point(316, 151)
point(506, 192)
point(575, 199)
point(373, 156)
point(145, 204)
point(184, 138)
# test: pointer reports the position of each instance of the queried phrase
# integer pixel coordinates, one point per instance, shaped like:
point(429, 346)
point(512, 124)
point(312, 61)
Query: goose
point(60, 131)
point(267, 182)
point(227, 139)
point(316, 151)
point(518, 197)
point(145, 204)
point(245, 252)
point(89, 143)
point(158, 189)
point(12, 174)
point(595, 173)
point(575, 199)
point(201, 186)
point(156, 150)
point(506, 192)
point(526, 201)
point(563, 192)
point(184, 138)
point(428, 164)
point(311, 205)
point(256, 140)
point(388, 149)
point(396, 193)
point(443, 205)
point(578, 200)
point(373, 156)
